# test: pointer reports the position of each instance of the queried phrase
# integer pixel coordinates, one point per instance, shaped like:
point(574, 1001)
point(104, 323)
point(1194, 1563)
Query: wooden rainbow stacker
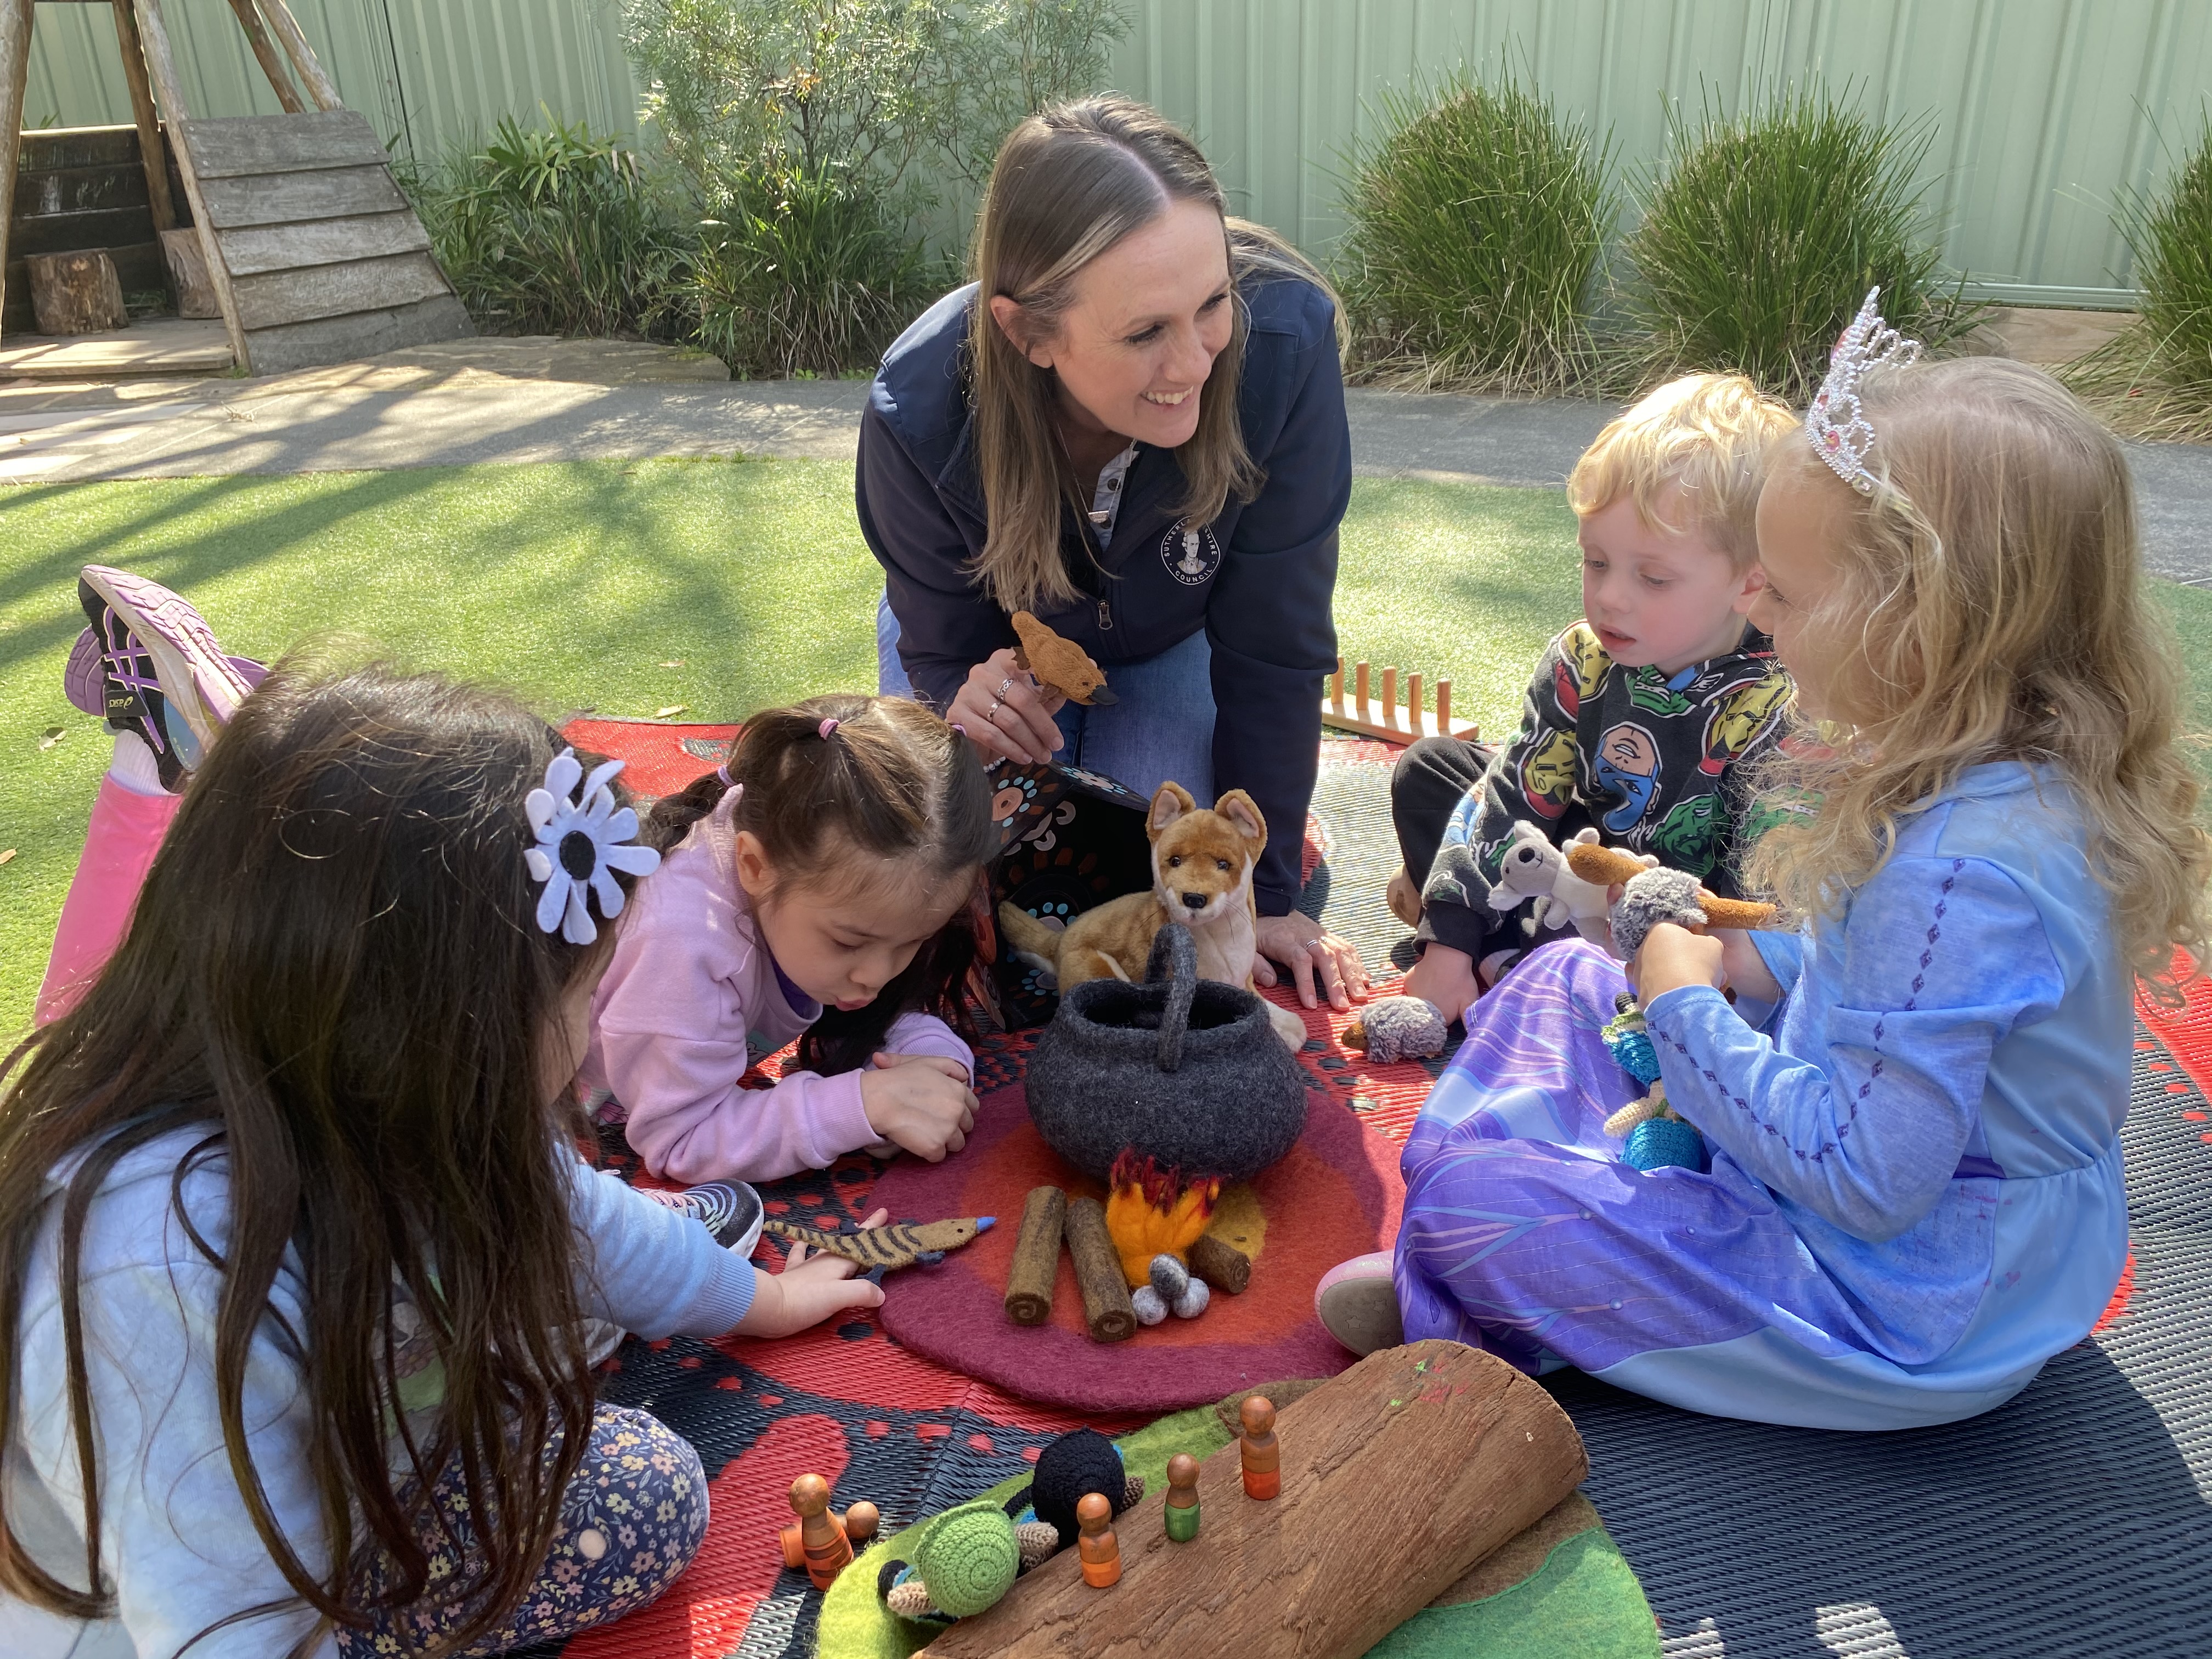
point(1384, 717)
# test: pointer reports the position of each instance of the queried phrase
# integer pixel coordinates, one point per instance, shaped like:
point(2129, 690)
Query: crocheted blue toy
point(1658, 1137)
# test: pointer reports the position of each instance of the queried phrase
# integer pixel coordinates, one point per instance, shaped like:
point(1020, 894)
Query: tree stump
point(188, 274)
point(1397, 1477)
point(76, 293)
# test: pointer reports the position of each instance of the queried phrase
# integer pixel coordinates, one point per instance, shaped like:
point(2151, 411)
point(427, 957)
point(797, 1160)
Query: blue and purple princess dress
point(1915, 1197)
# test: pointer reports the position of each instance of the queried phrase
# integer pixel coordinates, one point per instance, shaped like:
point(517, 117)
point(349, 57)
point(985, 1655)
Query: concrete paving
point(522, 401)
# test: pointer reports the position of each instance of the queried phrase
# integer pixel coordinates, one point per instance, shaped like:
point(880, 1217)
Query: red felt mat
point(1336, 1194)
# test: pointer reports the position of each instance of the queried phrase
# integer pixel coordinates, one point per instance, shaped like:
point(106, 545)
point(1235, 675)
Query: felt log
point(1607, 865)
point(1107, 1309)
point(1398, 1476)
point(1221, 1264)
point(1037, 1256)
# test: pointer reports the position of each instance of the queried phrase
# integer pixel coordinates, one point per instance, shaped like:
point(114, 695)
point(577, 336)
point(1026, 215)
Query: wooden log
point(266, 54)
point(169, 94)
point(76, 293)
point(320, 86)
point(291, 198)
point(188, 274)
point(1037, 1256)
point(151, 154)
point(1107, 1309)
point(1221, 1264)
point(15, 79)
point(1398, 1476)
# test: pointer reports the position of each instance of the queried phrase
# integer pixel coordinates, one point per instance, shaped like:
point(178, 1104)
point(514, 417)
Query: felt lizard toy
point(1060, 664)
point(900, 1245)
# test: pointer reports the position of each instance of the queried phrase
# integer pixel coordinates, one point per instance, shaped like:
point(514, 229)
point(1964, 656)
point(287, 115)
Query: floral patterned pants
point(634, 1516)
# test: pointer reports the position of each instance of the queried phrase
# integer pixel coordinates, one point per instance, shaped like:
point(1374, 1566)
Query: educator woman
point(1132, 425)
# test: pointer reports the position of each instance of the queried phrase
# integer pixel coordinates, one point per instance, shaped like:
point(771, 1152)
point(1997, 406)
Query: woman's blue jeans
point(1161, 727)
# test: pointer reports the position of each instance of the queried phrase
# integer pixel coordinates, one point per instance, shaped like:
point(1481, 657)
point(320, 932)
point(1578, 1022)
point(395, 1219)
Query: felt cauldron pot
point(1184, 1070)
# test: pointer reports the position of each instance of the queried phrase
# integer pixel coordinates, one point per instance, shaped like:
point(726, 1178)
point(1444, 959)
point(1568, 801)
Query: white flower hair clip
point(581, 837)
point(1836, 425)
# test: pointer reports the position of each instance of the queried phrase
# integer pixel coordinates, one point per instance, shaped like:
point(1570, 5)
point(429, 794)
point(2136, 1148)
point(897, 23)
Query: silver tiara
point(1836, 423)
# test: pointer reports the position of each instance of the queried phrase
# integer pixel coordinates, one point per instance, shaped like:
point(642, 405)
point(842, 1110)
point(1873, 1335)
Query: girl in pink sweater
point(816, 887)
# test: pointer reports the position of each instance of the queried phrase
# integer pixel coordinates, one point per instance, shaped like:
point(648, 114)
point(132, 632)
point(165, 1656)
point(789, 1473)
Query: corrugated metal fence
point(2044, 110)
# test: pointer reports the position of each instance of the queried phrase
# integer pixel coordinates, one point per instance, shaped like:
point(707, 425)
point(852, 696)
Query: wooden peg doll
point(822, 1541)
point(1258, 1449)
point(1182, 1512)
point(1101, 1554)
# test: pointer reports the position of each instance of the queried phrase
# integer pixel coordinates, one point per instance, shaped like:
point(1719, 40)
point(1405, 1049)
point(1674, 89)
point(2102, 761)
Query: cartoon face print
point(1627, 765)
point(1739, 719)
point(1580, 669)
point(1190, 552)
point(1548, 775)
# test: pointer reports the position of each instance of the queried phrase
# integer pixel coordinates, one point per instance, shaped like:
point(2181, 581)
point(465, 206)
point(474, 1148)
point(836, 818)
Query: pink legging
point(120, 844)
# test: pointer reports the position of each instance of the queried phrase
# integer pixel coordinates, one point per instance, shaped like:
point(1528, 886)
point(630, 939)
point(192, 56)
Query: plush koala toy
point(1531, 867)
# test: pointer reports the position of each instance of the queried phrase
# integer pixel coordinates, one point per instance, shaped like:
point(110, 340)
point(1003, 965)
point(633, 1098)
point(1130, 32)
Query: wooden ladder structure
point(314, 253)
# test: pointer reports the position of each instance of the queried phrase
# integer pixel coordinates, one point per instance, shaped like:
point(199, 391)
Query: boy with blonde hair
point(1642, 716)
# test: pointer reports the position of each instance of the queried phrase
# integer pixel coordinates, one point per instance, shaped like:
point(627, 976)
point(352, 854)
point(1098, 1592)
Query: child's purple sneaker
point(162, 675)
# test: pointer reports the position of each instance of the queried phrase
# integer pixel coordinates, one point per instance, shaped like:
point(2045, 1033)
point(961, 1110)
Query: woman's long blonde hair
point(1069, 183)
point(1990, 606)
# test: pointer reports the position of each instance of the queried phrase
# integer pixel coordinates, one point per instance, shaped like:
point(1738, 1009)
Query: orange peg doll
point(1181, 1514)
point(1100, 1553)
point(1259, 1450)
point(822, 1541)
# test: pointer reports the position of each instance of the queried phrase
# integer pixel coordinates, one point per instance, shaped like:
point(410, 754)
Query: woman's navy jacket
point(1259, 579)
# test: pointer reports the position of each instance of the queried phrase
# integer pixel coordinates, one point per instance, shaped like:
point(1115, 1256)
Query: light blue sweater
point(175, 1540)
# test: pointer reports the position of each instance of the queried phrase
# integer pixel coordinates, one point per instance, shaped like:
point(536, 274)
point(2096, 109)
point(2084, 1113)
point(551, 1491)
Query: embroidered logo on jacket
point(1190, 554)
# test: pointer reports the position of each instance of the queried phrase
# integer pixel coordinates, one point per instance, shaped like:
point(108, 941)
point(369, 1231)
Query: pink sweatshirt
point(691, 979)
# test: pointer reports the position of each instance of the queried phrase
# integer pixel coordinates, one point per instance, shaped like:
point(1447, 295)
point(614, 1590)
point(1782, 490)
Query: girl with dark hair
point(297, 1252)
point(816, 887)
point(1132, 424)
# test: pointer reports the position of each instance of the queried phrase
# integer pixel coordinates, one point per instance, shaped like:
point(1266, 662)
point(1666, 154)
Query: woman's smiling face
point(1149, 317)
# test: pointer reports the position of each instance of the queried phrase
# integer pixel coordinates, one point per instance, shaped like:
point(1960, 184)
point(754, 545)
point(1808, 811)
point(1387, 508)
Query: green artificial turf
point(579, 584)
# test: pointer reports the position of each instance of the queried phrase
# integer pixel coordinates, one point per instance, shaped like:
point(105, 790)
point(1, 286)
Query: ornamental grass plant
point(806, 272)
point(554, 230)
point(2154, 380)
point(1761, 233)
point(1478, 218)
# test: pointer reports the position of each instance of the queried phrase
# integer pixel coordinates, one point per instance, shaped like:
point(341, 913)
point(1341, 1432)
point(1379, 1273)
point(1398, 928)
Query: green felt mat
point(1582, 1603)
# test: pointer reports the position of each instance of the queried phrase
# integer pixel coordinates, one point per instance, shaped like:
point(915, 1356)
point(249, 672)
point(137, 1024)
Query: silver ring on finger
point(1004, 686)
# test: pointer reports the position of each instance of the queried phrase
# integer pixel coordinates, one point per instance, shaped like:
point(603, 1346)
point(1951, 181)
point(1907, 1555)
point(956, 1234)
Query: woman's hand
point(1672, 958)
point(1314, 955)
point(919, 1102)
point(810, 1289)
point(1004, 715)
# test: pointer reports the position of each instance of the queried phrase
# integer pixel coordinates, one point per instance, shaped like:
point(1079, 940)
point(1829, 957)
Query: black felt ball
point(1067, 1470)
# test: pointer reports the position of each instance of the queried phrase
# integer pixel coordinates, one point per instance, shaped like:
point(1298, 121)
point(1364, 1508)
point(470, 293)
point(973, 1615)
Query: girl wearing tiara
point(1915, 1195)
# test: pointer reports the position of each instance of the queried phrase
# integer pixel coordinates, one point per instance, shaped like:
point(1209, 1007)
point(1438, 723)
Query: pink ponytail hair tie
point(961, 729)
point(827, 727)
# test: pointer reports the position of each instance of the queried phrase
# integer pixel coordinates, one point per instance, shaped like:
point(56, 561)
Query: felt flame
point(1153, 1211)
